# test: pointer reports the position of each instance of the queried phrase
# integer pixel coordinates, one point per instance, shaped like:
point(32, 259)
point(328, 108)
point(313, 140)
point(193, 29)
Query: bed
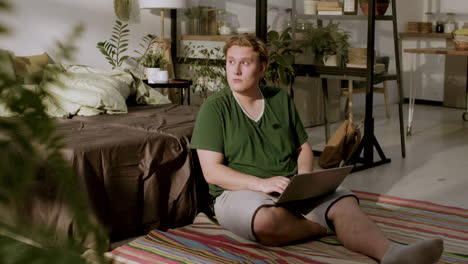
point(135, 168)
point(127, 144)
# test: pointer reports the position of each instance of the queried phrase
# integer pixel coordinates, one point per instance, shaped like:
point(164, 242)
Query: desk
point(412, 93)
point(175, 83)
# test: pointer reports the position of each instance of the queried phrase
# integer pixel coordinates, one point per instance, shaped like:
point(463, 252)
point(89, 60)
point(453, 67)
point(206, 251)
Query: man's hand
point(274, 184)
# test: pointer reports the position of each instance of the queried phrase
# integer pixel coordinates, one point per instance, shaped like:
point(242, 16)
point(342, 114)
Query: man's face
point(243, 68)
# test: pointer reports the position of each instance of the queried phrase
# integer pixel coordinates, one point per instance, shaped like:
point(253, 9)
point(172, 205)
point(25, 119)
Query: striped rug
point(403, 221)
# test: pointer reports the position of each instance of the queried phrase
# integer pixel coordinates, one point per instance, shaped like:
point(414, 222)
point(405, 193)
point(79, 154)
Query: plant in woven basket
point(460, 38)
point(122, 9)
point(380, 6)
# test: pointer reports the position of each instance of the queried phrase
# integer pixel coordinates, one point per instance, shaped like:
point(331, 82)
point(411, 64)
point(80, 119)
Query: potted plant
point(153, 63)
point(205, 68)
point(326, 42)
point(281, 57)
point(381, 6)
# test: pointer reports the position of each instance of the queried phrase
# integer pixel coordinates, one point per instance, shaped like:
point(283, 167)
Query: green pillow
point(28, 69)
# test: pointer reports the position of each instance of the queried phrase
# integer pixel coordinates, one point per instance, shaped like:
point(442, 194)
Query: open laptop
point(312, 184)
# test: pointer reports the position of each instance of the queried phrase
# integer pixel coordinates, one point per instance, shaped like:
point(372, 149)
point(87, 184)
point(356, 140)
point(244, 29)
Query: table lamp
point(162, 4)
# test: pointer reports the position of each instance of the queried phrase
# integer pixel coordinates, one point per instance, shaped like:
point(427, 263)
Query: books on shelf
point(329, 4)
point(329, 8)
point(378, 67)
point(330, 13)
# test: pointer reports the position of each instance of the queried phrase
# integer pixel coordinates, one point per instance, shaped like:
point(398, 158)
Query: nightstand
point(175, 83)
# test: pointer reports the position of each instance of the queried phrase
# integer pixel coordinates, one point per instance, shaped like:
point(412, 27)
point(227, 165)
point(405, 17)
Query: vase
point(380, 8)
point(162, 77)
point(151, 73)
point(331, 60)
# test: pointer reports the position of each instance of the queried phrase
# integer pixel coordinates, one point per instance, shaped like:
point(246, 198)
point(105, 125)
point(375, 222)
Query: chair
point(360, 87)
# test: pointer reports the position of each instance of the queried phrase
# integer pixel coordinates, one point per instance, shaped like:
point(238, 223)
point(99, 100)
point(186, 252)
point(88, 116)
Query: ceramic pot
point(151, 73)
point(380, 8)
point(331, 60)
point(162, 77)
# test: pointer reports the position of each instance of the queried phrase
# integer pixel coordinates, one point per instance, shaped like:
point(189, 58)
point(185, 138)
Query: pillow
point(28, 69)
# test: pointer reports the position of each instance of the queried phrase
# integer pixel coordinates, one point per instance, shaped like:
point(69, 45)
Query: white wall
point(37, 24)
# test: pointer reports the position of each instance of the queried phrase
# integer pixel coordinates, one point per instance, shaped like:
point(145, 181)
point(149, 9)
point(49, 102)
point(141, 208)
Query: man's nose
point(237, 69)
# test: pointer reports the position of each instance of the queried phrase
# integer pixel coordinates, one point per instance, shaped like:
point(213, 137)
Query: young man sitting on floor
point(250, 140)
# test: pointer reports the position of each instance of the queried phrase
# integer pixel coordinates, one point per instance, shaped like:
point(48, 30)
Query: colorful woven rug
point(403, 221)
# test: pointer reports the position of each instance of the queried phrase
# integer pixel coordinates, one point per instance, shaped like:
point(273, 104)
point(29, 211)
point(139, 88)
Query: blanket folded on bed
point(82, 90)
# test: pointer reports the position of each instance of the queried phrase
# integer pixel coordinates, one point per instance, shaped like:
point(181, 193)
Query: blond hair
point(248, 40)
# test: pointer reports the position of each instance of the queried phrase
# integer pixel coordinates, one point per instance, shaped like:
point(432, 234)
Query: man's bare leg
point(355, 230)
point(276, 226)
point(360, 234)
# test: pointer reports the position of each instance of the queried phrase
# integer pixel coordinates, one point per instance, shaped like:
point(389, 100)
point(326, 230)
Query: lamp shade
point(170, 4)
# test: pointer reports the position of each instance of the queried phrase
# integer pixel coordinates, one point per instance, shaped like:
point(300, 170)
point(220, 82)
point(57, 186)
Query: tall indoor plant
point(206, 68)
point(280, 68)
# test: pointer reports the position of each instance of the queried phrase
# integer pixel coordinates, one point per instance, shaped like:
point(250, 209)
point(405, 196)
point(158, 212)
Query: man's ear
point(264, 67)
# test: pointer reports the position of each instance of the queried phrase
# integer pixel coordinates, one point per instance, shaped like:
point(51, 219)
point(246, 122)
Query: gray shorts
point(235, 210)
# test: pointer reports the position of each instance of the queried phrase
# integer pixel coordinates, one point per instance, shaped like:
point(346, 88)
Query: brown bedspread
point(136, 168)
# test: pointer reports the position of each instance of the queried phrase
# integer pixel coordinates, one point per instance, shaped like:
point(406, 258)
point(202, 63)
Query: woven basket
point(461, 45)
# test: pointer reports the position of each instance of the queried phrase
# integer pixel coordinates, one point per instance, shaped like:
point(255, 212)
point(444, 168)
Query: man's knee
point(267, 223)
point(345, 205)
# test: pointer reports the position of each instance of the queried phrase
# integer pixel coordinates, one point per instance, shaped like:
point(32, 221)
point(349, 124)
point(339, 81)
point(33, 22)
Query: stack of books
point(329, 8)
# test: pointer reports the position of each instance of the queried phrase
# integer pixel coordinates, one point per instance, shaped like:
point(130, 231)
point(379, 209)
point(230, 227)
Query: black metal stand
point(176, 83)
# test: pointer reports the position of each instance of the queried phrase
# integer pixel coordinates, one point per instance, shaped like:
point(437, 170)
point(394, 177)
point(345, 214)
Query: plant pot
point(331, 60)
point(380, 8)
point(162, 77)
point(151, 73)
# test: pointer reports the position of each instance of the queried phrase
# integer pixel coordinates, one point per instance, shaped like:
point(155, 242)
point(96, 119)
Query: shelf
point(342, 17)
point(207, 37)
point(425, 35)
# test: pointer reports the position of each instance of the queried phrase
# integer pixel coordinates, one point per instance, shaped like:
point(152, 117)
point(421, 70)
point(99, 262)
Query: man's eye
point(245, 63)
point(231, 62)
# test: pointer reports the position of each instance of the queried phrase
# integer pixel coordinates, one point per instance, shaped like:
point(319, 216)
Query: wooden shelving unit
point(369, 140)
point(405, 35)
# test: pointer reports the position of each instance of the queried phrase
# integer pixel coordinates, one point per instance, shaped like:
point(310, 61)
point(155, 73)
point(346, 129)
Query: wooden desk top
point(441, 51)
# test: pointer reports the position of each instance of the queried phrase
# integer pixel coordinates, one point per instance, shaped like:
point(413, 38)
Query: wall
point(36, 25)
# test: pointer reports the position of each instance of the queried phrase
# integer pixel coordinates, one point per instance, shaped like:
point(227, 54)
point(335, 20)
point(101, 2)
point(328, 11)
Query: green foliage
point(112, 49)
point(154, 60)
point(326, 40)
point(145, 44)
point(207, 71)
point(30, 144)
point(281, 57)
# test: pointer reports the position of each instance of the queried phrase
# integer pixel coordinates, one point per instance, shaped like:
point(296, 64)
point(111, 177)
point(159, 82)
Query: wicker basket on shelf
point(461, 42)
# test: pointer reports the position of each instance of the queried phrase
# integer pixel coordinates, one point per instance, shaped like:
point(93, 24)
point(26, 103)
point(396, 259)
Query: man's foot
point(422, 252)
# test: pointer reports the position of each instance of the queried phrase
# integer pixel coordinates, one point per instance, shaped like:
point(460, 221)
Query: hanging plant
point(122, 9)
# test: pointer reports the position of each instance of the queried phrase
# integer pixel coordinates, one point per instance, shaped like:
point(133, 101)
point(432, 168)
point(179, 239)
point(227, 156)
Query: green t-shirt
point(263, 148)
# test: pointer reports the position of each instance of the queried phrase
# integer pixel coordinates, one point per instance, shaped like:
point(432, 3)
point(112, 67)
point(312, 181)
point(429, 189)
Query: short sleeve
point(208, 132)
point(302, 136)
